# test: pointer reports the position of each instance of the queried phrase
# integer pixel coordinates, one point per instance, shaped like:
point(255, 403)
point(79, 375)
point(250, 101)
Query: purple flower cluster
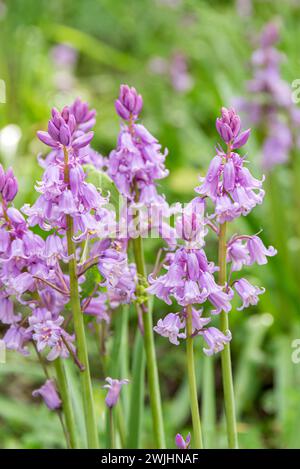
point(270, 104)
point(173, 326)
point(74, 196)
point(66, 193)
point(135, 166)
point(31, 268)
point(190, 280)
point(85, 232)
point(137, 161)
point(190, 276)
point(228, 182)
point(247, 250)
point(28, 266)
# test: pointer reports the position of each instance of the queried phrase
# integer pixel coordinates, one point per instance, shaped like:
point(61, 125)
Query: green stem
point(66, 401)
point(136, 407)
point(225, 354)
point(208, 403)
point(152, 372)
point(112, 429)
point(121, 424)
point(197, 434)
point(86, 384)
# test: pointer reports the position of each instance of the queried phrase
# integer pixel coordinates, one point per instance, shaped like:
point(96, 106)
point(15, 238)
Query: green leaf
point(91, 46)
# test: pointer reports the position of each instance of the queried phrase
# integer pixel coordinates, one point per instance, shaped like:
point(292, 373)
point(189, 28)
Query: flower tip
point(179, 441)
point(241, 139)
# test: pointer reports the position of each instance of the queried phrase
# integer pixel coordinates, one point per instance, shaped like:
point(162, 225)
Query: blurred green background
point(187, 59)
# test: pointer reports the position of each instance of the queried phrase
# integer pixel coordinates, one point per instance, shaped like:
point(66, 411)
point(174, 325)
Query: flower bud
point(182, 443)
point(129, 104)
point(10, 188)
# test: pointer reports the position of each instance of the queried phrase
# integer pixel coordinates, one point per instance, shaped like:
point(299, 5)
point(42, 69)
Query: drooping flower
point(246, 250)
point(49, 394)
point(237, 254)
point(97, 307)
point(221, 300)
point(248, 293)
point(47, 332)
point(170, 327)
point(215, 340)
point(173, 326)
point(258, 251)
point(114, 387)
point(7, 315)
point(16, 338)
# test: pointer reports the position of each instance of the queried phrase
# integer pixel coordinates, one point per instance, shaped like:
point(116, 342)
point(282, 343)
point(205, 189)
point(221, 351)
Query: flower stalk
point(197, 433)
point(86, 384)
point(154, 391)
point(66, 403)
point(112, 433)
point(225, 354)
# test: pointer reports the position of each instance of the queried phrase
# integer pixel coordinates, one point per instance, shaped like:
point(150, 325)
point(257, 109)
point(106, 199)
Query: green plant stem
point(152, 372)
point(208, 410)
point(86, 384)
point(112, 433)
point(225, 354)
point(197, 433)
point(136, 406)
point(121, 424)
point(66, 402)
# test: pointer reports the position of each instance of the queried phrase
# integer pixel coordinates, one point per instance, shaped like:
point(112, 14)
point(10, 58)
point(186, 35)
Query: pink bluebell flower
point(49, 394)
point(114, 387)
point(16, 338)
point(215, 340)
point(248, 293)
point(170, 327)
point(7, 315)
point(258, 251)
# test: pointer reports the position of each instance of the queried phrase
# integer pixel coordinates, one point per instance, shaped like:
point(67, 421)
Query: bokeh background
point(187, 58)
